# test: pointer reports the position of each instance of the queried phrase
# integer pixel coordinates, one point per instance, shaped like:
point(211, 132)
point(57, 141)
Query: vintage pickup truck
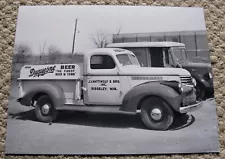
point(172, 54)
point(107, 79)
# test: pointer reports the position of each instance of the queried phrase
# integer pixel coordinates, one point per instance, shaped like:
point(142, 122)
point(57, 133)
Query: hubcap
point(45, 109)
point(156, 114)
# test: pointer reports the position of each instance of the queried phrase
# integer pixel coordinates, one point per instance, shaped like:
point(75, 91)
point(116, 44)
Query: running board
point(100, 109)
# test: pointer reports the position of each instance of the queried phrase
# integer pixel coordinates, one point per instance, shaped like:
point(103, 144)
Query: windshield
point(127, 59)
point(179, 54)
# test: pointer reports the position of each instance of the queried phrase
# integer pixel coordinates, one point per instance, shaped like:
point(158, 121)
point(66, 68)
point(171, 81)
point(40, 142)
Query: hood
point(196, 65)
point(199, 68)
point(135, 70)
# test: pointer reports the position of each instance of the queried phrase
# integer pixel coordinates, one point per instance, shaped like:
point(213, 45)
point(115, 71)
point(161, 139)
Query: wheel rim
point(156, 114)
point(45, 109)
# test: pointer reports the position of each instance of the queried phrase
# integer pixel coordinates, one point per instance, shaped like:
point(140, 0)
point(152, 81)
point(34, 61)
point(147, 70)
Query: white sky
point(55, 24)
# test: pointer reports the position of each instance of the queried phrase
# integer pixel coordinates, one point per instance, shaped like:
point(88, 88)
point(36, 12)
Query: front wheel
point(156, 114)
point(45, 110)
point(200, 92)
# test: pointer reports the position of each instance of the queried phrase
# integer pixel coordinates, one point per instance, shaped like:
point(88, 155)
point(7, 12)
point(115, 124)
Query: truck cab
point(172, 54)
point(109, 78)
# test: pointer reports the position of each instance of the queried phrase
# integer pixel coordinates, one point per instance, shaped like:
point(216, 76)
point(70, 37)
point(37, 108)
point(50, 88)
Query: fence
point(196, 42)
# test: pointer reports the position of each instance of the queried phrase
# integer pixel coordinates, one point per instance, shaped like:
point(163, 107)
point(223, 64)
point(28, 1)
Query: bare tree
point(53, 54)
point(101, 39)
point(22, 53)
point(117, 33)
point(118, 30)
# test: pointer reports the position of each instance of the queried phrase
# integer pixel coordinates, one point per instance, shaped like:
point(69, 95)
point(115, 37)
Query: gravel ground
point(108, 133)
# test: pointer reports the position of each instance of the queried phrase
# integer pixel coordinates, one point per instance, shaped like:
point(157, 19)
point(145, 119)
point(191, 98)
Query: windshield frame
point(174, 56)
point(131, 61)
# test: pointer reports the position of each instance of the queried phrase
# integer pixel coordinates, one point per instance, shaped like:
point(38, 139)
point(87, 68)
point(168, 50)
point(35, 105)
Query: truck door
point(102, 82)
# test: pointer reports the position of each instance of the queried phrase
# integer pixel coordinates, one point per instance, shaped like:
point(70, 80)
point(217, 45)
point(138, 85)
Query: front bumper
point(190, 108)
point(189, 102)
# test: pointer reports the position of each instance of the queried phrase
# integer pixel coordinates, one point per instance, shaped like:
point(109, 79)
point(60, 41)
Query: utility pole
point(74, 36)
point(41, 52)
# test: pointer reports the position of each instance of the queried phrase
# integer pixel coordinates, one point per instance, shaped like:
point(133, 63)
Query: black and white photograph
point(111, 80)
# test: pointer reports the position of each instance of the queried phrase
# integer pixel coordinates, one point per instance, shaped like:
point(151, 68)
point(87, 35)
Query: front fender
point(135, 96)
point(200, 79)
point(52, 90)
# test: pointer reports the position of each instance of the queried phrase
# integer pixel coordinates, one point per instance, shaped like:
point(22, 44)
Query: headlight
point(179, 85)
point(210, 75)
point(194, 82)
point(181, 89)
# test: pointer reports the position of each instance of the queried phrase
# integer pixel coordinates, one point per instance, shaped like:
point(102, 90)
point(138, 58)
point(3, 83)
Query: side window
point(102, 62)
point(141, 54)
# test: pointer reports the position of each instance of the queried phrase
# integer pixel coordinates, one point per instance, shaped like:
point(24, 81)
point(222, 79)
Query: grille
point(186, 80)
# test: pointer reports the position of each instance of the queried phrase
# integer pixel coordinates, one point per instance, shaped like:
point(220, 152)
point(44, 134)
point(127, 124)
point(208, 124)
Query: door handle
point(84, 89)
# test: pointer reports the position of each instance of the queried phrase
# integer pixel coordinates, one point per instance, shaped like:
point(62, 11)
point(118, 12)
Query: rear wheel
point(45, 110)
point(156, 114)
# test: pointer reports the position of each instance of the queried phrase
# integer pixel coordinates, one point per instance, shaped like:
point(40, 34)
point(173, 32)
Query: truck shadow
point(26, 115)
point(182, 122)
point(107, 120)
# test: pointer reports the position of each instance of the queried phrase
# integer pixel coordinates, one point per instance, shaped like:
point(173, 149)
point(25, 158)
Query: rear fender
point(136, 95)
point(52, 90)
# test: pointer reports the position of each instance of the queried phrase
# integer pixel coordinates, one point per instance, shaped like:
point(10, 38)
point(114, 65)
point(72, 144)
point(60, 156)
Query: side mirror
point(174, 65)
point(178, 65)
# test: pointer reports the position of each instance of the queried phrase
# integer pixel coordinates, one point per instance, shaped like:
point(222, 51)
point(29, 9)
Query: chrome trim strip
point(191, 107)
